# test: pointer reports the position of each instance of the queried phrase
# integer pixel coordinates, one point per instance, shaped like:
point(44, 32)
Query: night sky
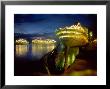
point(48, 23)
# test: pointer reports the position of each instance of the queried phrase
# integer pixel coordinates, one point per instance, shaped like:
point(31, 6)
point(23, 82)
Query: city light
point(43, 41)
point(22, 41)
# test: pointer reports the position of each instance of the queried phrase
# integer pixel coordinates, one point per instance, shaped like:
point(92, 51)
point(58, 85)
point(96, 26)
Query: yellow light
point(22, 41)
point(43, 41)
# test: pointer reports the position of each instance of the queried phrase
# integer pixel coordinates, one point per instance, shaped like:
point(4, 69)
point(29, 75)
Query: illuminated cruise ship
point(75, 35)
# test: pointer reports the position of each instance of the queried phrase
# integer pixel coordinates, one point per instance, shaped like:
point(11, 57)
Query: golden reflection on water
point(34, 50)
point(40, 50)
point(21, 50)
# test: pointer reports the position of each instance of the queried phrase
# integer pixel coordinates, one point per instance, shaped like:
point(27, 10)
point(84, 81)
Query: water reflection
point(33, 51)
point(39, 50)
point(21, 50)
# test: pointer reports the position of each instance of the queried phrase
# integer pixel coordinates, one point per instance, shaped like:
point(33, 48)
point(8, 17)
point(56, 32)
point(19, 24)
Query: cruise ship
point(75, 35)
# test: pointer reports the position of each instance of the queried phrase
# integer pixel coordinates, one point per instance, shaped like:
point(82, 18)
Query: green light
point(91, 34)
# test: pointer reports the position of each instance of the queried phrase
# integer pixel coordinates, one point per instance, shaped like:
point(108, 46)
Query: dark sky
point(47, 23)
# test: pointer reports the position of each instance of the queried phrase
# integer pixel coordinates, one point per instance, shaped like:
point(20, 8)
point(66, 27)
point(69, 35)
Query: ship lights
point(44, 41)
point(75, 35)
point(22, 41)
